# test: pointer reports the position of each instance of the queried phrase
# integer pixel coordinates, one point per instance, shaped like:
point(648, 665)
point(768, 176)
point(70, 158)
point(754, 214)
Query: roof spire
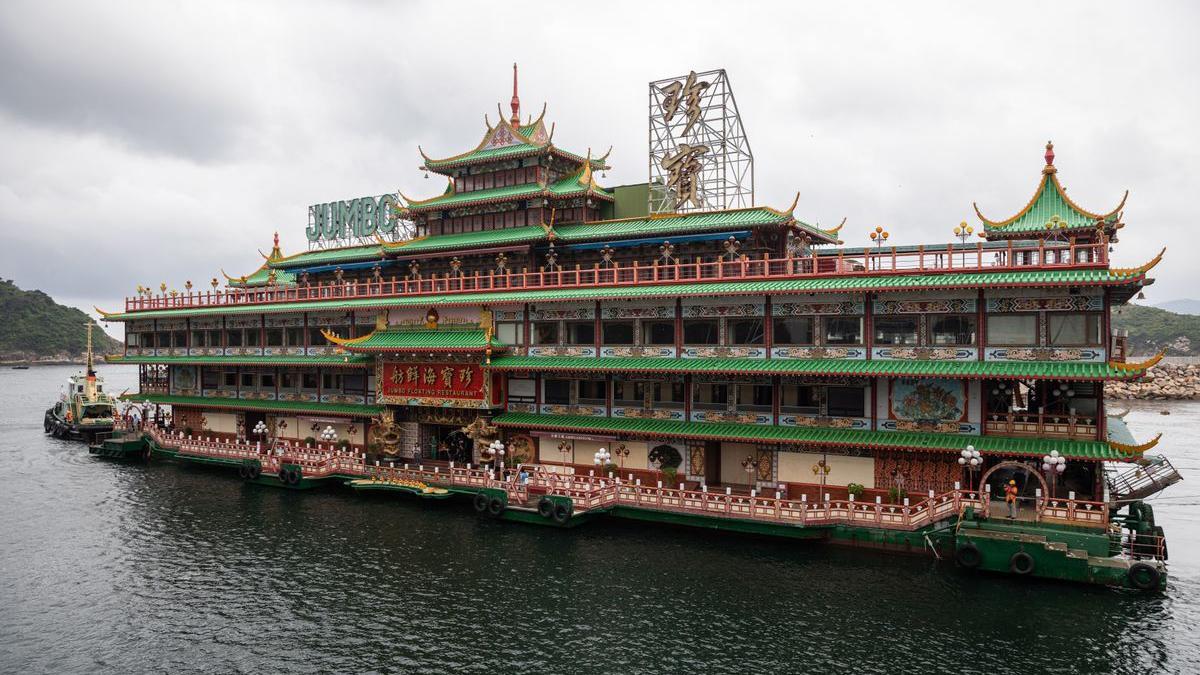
point(1049, 157)
point(516, 101)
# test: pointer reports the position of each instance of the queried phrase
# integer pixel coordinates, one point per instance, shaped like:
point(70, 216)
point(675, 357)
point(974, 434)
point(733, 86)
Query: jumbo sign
point(356, 218)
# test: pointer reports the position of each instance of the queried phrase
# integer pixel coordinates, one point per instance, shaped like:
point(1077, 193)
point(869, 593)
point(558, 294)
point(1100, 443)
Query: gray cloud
point(162, 142)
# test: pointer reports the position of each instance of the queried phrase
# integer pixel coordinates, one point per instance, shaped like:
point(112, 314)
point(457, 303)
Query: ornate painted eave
point(419, 340)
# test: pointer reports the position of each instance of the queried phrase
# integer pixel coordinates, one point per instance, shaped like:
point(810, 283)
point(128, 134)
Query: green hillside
point(36, 327)
point(1152, 329)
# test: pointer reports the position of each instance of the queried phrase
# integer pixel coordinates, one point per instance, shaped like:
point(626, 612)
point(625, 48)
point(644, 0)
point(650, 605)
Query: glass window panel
point(231, 379)
point(233, 338)
point(247, 380)
point(746, 331)
point(658, 332)
point(545, 333)
point(618, 332)
point(1012, 329)
point(210, 378)
point(1074, 329)
point(954, 329)
point(510, 333)
point(628, 393)
point(845, 401)
point(701, 332)
point(308, 380)
point(253, 337)
point(896, 330)
point(843, 330)
point(710, 395)
point(802, 398)
point(556, 392)
point(592, 391)
point(267, 380)
point(793, 330)
point(754, 396)
point(274, 337)
point(581, 333)
point(354, 383)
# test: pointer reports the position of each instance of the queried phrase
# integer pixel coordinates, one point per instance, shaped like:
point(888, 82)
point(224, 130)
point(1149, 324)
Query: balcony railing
point(1034, 424)
point(882, 262)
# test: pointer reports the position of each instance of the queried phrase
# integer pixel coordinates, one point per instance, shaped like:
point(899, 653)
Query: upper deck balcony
point(885, 261)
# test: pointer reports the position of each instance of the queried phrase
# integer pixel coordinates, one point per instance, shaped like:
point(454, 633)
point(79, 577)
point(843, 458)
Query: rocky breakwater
point(1163, 382)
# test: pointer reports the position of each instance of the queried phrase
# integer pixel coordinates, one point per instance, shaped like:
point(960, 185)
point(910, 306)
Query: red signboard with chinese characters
point(432, 381)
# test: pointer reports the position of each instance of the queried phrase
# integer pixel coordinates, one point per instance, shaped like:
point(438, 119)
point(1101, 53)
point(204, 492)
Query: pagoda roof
point(330, 256)
point(463, 241)
point(1123, 278)
point(1013, 370)
point(1051, 209)
point(445, 339)
point(817, 436)
point(683, 223)
point(312, 407)
point(508, 141)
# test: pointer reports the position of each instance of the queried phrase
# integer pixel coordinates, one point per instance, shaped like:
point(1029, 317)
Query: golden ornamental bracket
point(1144, 365)
point(1135, 449)
point(1134, 271)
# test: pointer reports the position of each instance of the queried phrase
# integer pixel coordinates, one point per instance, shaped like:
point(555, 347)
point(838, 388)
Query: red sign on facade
point(432, 380)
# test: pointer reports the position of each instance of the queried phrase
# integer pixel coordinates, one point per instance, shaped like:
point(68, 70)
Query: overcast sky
point(162, 141)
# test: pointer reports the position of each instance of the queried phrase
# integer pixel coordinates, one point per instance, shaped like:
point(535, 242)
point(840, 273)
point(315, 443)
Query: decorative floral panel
point(943, 306)
point(822, 308)
point(650, 351)
point(818, 353)
point(567, 313)
point(925, 353)
point(142, 326)
point(508, 314)
point(206, 351)
point(170, 351)
point(692, 311)
point(172, 324)
point(243, 322)
point(522, 407)
point(297, 396)
point(283, 351)
point(720, 351)
point(185, 381)
point(339, 319)
point(258, 395)
point(643, 413)
point(1091, 354)
point(552, 350)
point(930, 426)
point(725, 416)
point(343, 398)
point(916, 472)
point(1067, 303)
point(790, 420)
point(284, 321)
point(320, 351)
point(627, 312)
point(584, 410)
point(206, 322)
point(243, 351)
point(220, 393)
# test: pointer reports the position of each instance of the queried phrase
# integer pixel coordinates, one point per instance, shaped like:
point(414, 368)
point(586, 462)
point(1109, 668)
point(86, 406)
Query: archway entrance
point(999, 475)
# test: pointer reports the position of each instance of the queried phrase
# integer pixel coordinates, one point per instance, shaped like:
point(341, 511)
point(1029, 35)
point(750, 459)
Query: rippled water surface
point(135, 567)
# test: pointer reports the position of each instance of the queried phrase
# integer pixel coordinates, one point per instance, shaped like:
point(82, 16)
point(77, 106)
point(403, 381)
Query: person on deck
point(1010, 496)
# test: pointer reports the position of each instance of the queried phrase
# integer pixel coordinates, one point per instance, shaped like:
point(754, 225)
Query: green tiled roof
point(810, 285)
point(674, 224)
point(829, 367)
point(882, 440)
point(1050, 201)
point(246, 404)
point(421, 338)
point(1118, 431)
point(468, 240)
point(452, 199)
point(571, 186)
point(333, 255)
point(485, 155)
point(263, 276)
point(324, 360)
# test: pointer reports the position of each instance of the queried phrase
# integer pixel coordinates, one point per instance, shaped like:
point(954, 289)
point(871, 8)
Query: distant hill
point(1185, 306)
point(1152, 329)
point(34, 327)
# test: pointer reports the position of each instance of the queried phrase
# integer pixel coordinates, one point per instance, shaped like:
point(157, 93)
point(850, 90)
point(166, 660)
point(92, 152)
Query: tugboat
point(84, 410)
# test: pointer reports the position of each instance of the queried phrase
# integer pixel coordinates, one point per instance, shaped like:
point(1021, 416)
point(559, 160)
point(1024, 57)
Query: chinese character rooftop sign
point(700, 158)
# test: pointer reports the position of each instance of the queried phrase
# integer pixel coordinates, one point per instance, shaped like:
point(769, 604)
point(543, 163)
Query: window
point(179, 338)
point(896, 330)
point(209, 378)
point(274, 337)
point(955, 329)
point(581, 332)
point(288, 381)
point(592, 391)
point(746, 331)
point(658, 332)
point(701, 332)
point(308, 380)
point(710, 395)
point(315, 339)
point(845, 401)
point(666, 394)
point(843, 330)
point(247, 380)
point(801, 398)
point(233, 338)
point(754, 396)
point(354, 383)
point(267, 380)
point(510, 333)
point(1074, 329)
point(795, 330)
point(214, 338)
point(545, 333)
point(618, 332)
point(331, 381)
point(556, 392)
point(629, 393)
point(293, 337)
point(132, 339)
point(253, 337)
point(1012, 329)
point(230, 378)
point(199, 338)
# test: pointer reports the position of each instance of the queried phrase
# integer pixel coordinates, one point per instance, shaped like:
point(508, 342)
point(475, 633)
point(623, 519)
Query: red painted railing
point(882, 262)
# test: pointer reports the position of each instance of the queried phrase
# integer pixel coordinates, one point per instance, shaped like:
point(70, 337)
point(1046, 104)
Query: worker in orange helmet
point(1010, 496)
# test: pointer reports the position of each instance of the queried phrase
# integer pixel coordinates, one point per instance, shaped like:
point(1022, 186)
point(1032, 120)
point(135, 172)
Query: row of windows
point(242, 337)
point(904, 330)
point(494, 179)
point(801, 398)
point(232, 379)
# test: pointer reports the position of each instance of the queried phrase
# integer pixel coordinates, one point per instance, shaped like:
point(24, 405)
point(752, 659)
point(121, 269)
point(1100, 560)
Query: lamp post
point(963, 231)
point(750, 465)
point(621, 452)
point(971, 460)
point(260, 430)
point(602, 458)
point(329, 435)
point(1053, 465)
point(821, 470)
point(565, 448)
point(878, 235)
point(497, 450)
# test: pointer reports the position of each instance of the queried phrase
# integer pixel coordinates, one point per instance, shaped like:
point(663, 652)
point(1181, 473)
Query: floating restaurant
point(557, 351)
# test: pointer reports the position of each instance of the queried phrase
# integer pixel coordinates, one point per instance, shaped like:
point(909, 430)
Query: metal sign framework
point(700, 157)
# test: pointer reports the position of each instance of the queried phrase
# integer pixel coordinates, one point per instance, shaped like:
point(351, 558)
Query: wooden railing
point(881, 262)
point(1034, 424)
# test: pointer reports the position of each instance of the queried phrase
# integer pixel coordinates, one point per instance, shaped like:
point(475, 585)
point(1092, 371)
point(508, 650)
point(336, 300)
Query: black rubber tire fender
point(242, 471)
point(495, 506)
point(562, 513)
point(282, 475)
point(253, 471)
point(1021, 564)
point(968, 556)
point(481, 502)
point(546, 507)
point(1144, 577)
point(294, 476)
